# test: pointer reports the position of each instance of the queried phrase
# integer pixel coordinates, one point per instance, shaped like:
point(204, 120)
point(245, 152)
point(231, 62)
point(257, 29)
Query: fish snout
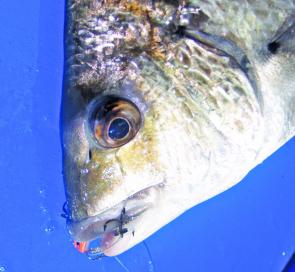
point(104, 230)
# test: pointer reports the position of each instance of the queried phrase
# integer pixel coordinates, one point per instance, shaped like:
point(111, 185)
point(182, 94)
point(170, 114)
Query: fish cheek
point(140, 157)
point(98, 179)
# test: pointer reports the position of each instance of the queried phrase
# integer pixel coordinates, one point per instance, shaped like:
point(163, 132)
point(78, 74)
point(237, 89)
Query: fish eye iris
point(118, 129)
point(113, 121)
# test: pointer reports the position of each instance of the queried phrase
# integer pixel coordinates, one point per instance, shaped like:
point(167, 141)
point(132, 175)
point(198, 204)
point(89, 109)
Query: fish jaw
point(118, 222)
point(144, 214)
point(134, 219)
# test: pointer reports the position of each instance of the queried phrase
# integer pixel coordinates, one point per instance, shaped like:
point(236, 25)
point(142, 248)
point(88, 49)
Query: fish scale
point(249, 23)
point(224, 100)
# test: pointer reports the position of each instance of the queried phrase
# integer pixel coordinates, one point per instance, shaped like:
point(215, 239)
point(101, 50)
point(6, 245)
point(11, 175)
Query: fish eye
point(113, 121)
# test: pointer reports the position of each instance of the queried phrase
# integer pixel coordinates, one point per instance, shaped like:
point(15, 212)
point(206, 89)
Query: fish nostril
point(273, 47)
point(90, 155)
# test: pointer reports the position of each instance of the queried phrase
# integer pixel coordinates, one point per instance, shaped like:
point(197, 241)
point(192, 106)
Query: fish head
point(140, 140)
point(131, 151)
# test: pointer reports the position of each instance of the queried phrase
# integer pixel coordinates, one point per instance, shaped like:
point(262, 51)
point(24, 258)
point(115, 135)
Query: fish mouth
point(106, 228)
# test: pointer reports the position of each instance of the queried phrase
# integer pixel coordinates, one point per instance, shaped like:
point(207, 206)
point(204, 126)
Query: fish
point(167, 104)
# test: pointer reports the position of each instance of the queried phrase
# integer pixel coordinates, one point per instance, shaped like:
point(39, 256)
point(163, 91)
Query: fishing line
point(120, 263)
point(151, 262)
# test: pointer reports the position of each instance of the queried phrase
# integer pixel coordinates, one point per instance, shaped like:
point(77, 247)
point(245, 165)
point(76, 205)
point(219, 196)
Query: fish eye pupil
point(118, 129)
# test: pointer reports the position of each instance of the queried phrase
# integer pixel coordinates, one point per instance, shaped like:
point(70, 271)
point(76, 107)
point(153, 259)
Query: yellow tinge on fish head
point(160, 112)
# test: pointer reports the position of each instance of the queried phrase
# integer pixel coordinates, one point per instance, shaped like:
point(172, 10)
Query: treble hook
point(121, 221)
point(65, 213)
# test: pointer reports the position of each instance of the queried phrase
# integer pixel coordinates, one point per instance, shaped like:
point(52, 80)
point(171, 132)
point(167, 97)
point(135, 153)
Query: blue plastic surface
point(251, 227)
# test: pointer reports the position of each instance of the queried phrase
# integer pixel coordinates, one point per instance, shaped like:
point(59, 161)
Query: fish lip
point(93, 227)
